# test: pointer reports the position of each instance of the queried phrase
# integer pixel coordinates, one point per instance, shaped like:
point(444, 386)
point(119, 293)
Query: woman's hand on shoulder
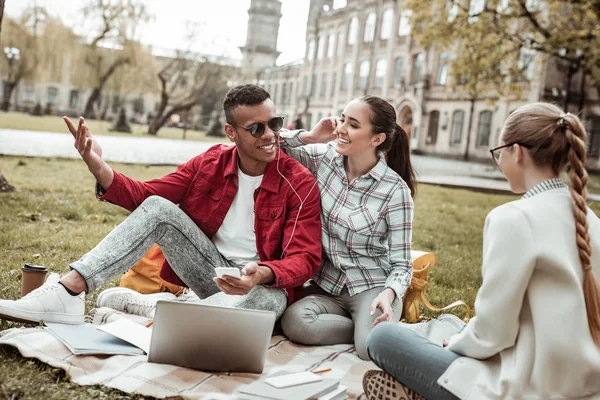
point(323, 132)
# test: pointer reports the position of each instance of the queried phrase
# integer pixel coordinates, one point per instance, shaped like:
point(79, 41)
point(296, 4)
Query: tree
point(4, 185)
point(112, 46)
point(184, 81)
point(565, 31)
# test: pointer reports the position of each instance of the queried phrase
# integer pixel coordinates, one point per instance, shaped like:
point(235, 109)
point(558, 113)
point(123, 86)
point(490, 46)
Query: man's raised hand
point(90, 152)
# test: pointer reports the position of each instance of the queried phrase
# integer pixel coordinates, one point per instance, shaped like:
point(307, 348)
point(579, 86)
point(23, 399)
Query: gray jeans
point(191, 254)
point(322, 319)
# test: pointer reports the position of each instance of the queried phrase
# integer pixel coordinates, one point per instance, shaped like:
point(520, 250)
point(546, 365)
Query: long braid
point(578, 175)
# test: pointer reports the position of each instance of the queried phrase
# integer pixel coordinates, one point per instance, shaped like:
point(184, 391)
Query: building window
point(418, 68)
point(348, 70)
point(331, 46)
point(309, 121)
point(398, 71)
point(380, 73)
point(387, 23)
point(370, 28)
point(321, 48)
point(310, 52)
point(313, 85)
point(52, 93)
point(484, 129)
point(404, 26)
point(452, 10)
point(353, 30)
point(476, 7)
point(458, 120)
point(526, 63)
point(333, 83)
point(29, 94)
point(305, 86)
point(443, 66)
point(74, 99)
point(594, 145)
point(324, 85)
point(363, 74)
point(284, 93)
point(432, 131)
point(340, 44)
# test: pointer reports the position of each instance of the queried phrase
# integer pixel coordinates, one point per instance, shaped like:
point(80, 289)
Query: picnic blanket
point(133, 374)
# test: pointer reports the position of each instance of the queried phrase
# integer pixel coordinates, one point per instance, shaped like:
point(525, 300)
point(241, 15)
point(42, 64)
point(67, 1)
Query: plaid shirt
point(548, 184)
point(367, 223)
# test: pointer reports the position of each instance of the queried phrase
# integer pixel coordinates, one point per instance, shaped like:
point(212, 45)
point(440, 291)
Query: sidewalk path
point(157, 151)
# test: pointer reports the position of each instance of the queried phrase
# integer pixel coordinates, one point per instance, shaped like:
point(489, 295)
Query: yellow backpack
point(411, 308)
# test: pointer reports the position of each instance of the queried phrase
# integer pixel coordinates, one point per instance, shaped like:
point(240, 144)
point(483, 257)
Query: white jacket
point(530, 338)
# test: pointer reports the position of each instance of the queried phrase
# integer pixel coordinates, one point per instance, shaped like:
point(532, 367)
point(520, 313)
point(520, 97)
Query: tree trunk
point(4, 185)
point(582, 93)
point(8, 89)
point(89, 105)
point(466, 155)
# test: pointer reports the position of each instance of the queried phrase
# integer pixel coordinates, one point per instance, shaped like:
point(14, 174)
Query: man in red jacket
point(247, 206)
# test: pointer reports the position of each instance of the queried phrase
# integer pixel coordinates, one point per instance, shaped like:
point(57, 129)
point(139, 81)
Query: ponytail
point(575, 134)
point(398, 158)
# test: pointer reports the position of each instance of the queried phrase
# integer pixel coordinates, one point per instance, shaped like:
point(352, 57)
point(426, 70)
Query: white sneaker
point(131, 302)
point(49, 303)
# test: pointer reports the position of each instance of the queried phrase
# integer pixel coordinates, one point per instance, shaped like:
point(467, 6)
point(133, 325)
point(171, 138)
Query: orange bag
point(145, 278)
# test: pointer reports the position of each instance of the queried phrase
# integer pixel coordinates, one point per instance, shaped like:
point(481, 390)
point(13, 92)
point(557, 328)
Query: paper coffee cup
point(33, 276)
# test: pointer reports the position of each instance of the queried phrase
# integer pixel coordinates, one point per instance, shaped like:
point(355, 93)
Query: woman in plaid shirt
point(367, 213)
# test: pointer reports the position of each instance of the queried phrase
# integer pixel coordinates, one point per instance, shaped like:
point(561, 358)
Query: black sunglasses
point(257, 129)
point(496, 154)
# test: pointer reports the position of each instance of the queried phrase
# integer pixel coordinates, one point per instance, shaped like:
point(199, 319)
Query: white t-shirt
point(236, 239)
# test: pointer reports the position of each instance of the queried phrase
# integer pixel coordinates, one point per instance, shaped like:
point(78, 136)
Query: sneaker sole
point(379, 385)
point(104, 293)
point(36, 318)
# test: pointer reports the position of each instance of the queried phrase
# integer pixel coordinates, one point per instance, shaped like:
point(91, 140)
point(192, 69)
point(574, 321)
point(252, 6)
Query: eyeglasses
point(495, 152)
point(257, 129)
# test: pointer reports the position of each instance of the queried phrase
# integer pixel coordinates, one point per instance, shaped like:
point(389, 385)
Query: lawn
point(22, 121)
point(54, 218)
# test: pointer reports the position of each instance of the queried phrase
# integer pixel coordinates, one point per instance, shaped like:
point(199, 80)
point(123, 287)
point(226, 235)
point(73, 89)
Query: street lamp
point(13, 55)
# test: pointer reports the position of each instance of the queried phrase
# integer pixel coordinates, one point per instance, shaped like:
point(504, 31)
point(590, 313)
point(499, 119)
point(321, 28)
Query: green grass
point(22, 121)
point(54, 218)
point(594, 184)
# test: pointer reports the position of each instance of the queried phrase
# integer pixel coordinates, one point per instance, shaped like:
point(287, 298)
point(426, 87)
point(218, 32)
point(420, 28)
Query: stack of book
point(324, 389)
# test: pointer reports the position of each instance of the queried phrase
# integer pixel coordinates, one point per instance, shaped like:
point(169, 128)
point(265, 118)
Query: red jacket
point(204, 188)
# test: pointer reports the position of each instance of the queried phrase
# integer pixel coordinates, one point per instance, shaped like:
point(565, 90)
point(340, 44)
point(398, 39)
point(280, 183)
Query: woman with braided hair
point(537, 330)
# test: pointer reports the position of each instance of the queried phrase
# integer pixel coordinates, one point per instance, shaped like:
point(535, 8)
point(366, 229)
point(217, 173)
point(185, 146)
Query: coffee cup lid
point(33, 268)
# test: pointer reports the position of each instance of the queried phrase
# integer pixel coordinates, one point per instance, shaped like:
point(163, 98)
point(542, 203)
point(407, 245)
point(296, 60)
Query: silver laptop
point(210, 338)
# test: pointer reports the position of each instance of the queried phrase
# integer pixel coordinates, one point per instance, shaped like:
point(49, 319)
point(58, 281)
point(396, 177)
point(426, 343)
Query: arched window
point(331, 46)
point(404, 26)
point(310, 51)
point(348, 70)
point(484, 128)
point(418, 68)
point(458, 120)
point(443, 68)
point(321, 48)
point(363, 74)
point(353, 30)
point(386, 24)
point(340, 44)
point(432, 131)
point(370, 28)
point(380, 73)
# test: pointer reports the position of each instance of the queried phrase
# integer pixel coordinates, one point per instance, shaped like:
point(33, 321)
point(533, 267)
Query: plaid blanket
point(132, 374)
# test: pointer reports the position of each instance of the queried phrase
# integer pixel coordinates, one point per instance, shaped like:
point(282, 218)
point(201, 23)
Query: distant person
point(367, 224)
point(298, 123)
point(247, 206)
point(537, 330)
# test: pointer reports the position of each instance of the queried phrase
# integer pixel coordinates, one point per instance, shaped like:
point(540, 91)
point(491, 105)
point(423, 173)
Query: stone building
point(366, 47)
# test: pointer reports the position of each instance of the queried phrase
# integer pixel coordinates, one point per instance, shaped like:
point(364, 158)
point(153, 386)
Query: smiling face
point(254, 153)
point(355, 131)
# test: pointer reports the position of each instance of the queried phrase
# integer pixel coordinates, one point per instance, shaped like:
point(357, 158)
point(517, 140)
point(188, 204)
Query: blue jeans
point(411, 359)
